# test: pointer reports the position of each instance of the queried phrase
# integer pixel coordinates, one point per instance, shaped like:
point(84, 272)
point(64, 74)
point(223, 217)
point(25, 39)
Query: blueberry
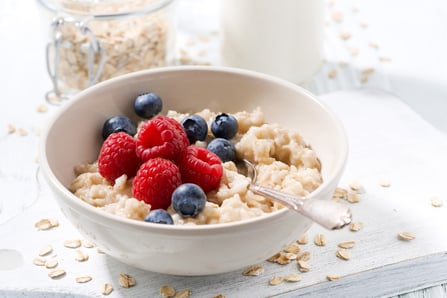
point(224, 126)
point(223, 148)
point(118, 124)
point(188, 200)
point(159, 216)
point(196, 128)
point(147, 105)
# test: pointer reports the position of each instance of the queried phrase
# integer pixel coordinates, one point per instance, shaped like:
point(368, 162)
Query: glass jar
point(95, 40)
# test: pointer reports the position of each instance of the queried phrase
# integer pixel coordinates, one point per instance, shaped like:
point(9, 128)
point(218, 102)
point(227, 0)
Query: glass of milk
point(283, 38)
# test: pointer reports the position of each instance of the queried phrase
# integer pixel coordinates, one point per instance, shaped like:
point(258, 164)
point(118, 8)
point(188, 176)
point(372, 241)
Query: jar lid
point(104, 8)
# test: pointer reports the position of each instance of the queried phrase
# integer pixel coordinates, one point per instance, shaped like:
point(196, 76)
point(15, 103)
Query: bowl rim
point(73, 200)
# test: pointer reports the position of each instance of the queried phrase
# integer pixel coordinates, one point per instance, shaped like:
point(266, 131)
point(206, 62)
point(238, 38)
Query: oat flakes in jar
point(95, 40)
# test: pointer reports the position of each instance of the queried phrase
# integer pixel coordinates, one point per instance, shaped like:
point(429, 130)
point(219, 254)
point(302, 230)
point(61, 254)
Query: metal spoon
point(327, 213)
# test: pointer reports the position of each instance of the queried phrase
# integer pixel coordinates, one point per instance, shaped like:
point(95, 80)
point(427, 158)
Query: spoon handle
point(327, 213)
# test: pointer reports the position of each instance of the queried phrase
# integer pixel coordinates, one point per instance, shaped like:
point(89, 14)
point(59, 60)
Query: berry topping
point(196, 128)
point(159, 216)
point(147, 105)
point(118, 124)
point(117, 157)
point(200, 166)
point(223, 148)
point(224, 126)
point(155, 182)
point(188, 200)
point(161, 137)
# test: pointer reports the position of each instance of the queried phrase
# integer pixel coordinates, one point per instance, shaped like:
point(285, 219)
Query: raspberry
point(200, 166)
point(161, 137)
point(155, 182)
point(117, 157)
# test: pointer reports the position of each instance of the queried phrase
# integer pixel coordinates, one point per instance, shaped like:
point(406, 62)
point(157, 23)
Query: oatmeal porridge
point(283, 161)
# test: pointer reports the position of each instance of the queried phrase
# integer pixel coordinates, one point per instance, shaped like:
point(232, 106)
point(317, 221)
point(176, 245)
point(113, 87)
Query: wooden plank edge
point(385, 281)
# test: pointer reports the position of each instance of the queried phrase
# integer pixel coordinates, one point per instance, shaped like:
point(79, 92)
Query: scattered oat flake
point(364, 79)
point(282, 260)
point(100, 251)
point(73, 243)
point(363, 25)
point(356, 186)
point(274, 257)
point(22, 132)
point(183, 293)
point(285, 258)
point(384, 59)
point(305, 256)
point(39, 261)
point(106, 289)
point(292, 248)
point(340, 193)
point(293, 277)
point(406, 236)
point(368, 71)
point(332, 277)
point(436, 202)
point(43, 224)
point(354, 52)
point(343, 254)
point(46, 224)
point(347, 244)
point(345, 35)
point(44, 250)
point(356, 226)
point(11, 129)
point(126, 281)
point(220, 296)
point(56, 273)
point(332, 74)
point(83, 279)
point(42, 108)
point(87, 244)
point(81, 256)
point(54, 222)
point(276, 280)
point(290, 256)
point(185, 60)
point(320, 240)
point(255, 270)
point(303, 239)
point(54, 99)
point(167, 291)
point(353, 197)
point(384, 183)
point(303, 266)
point(52, 263)
point(373, 45)
point(337, 16)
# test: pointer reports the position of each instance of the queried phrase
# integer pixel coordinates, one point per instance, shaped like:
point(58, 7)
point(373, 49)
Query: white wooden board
point(388, 141)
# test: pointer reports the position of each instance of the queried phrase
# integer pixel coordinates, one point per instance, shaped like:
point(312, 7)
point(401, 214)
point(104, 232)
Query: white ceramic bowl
point(73, 137)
